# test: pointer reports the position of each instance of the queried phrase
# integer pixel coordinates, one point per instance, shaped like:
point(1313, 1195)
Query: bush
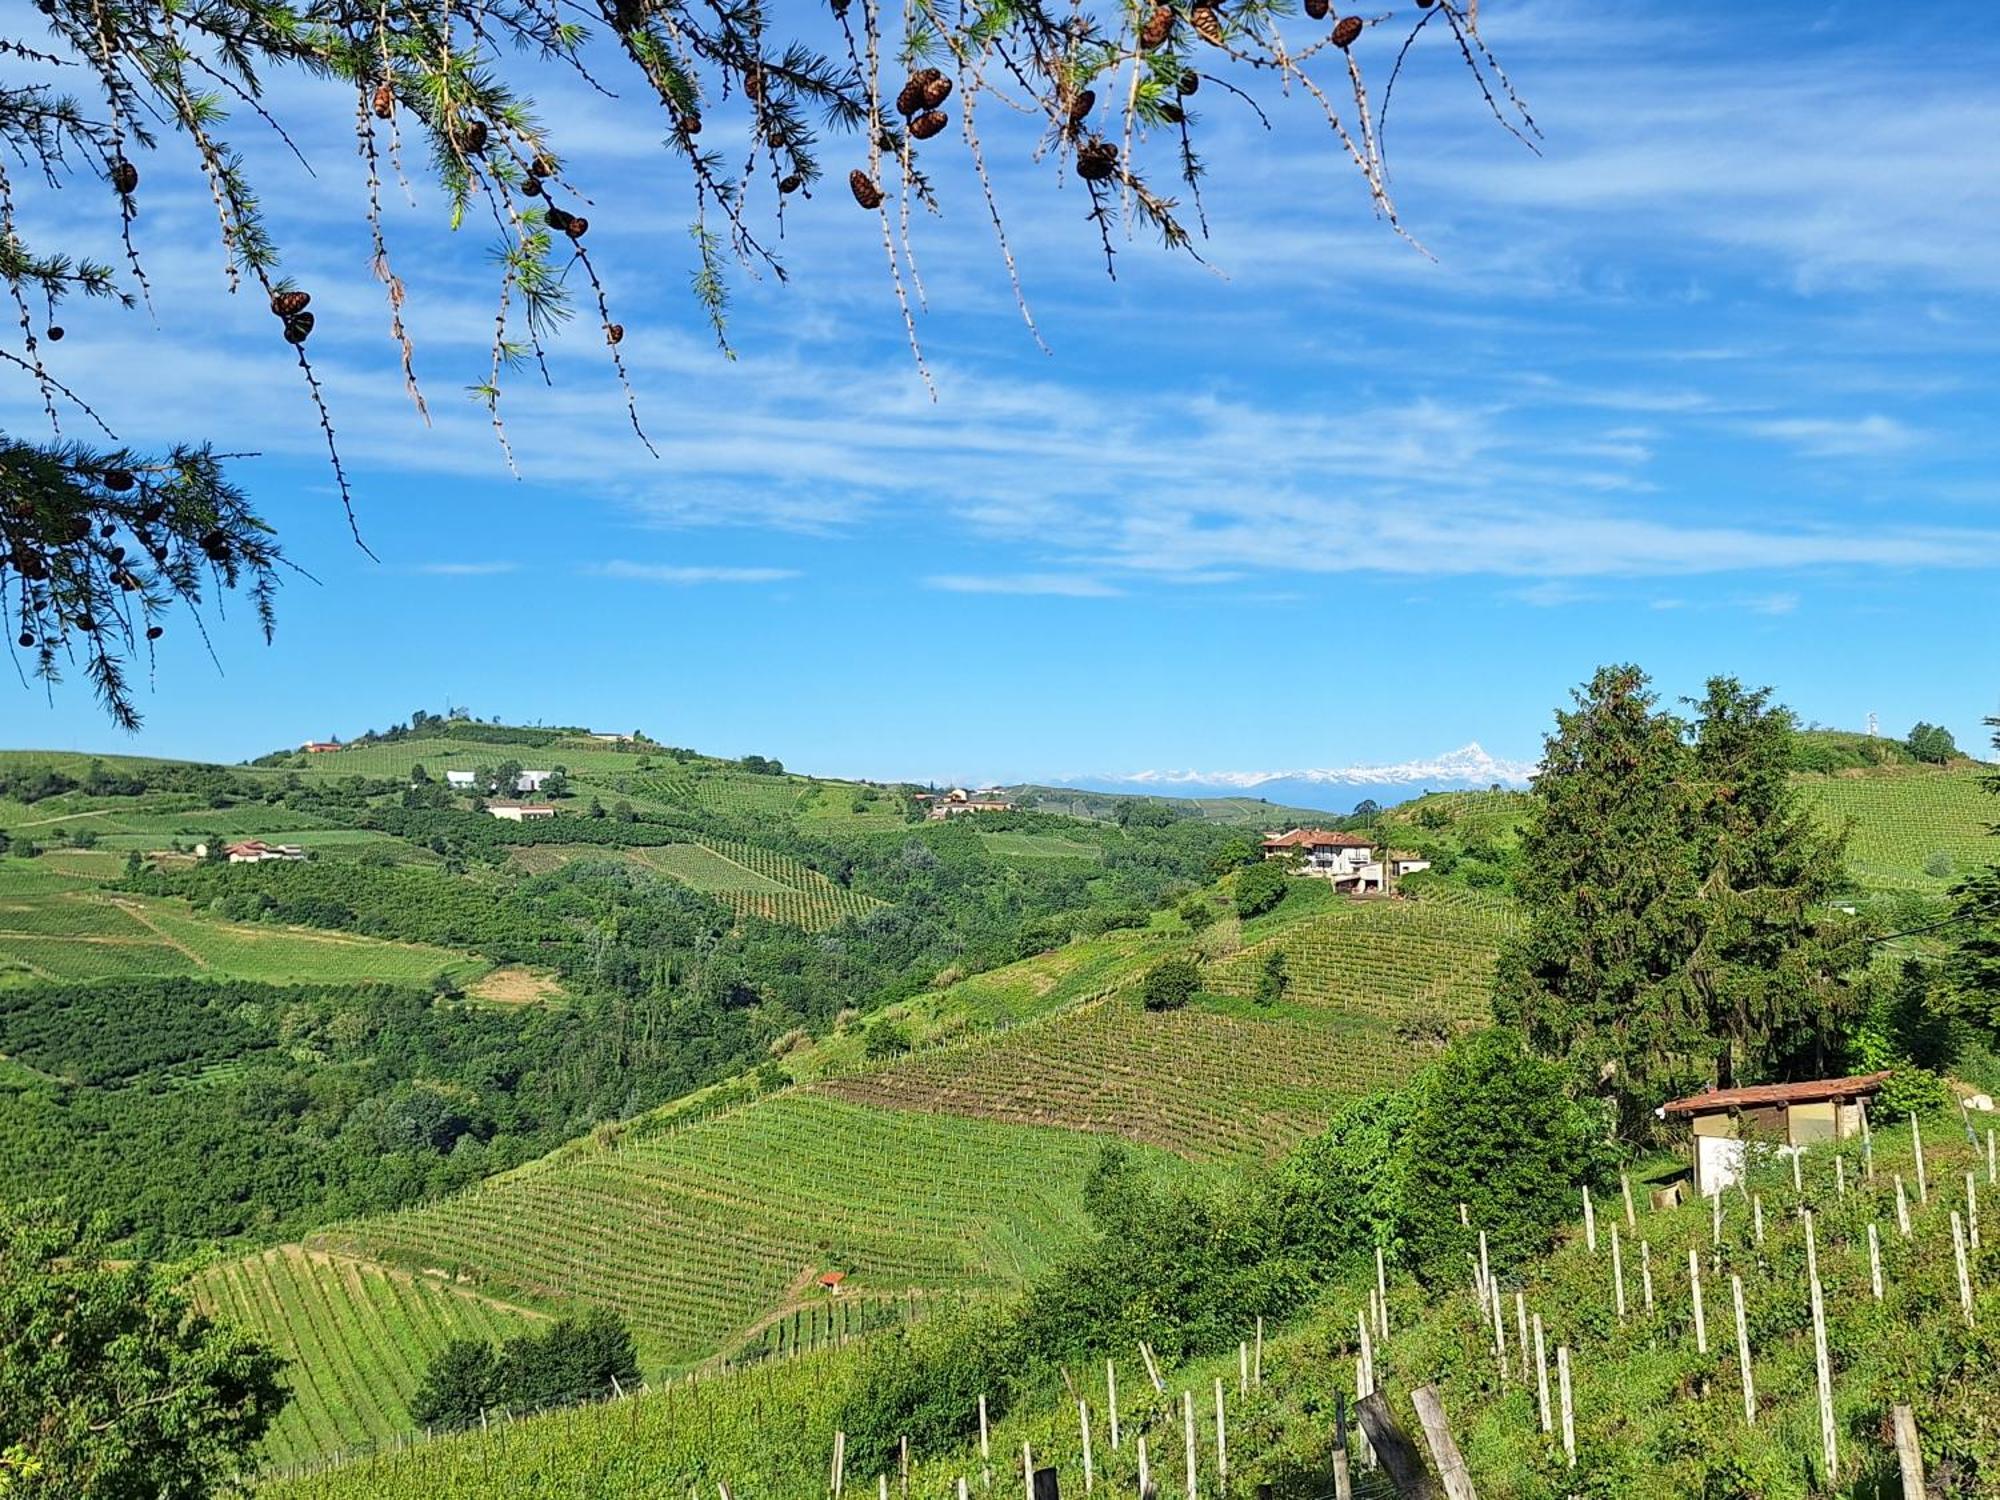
point(1274, 978)
point(1195, 912)
point(1931, 743)
point(1938, 865)
point(1259, 888)
point(1912, 1091)
point(884, 1038)
point(1170, 984)
point(924, 1383)
point(458, 1386)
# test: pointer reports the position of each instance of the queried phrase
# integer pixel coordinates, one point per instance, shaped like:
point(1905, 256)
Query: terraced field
point(1011, 845)
point(1915, 828)
point(1205, 1083)
point(359, 1339)
point(753, 881)
point(700, 1231)
point(1390, 960)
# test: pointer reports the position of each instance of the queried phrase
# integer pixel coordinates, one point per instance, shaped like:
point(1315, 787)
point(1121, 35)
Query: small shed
point(830, 1282)
point(1786, 1117)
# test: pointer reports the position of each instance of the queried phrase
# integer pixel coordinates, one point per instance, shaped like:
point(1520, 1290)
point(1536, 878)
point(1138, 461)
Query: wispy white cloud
point(679, 575)
point(1470, 764)
point(1063, 585)
point(1869, 436)
point(466, 569)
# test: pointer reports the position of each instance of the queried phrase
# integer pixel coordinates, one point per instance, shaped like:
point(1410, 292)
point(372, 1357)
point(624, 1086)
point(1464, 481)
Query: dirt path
point(138, 914)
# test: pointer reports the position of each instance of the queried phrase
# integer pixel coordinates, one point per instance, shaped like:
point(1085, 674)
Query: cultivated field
point(1915, 828)
point(700, 1231)
point(359, 1339)
point(1011, 845)
point(751, 880)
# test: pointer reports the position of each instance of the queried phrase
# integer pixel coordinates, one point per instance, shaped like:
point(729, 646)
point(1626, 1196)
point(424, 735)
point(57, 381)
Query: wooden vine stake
point(1187, 1424)
point(1902, 1208)
point(1221, 1443)
point(1743, 1353)
point(1343, 1481)
point(1757, 1219)
point(1145, 1472)
point(985, 1446)
point(1822, 1365)
point(1568, 1410)
point(1618, 1272)
point(1625, 1185)
point(1089, 1460)
point(1867, 1145)
point(1715, 1220)
point(1798, 1183)
point(1874, 1261)
point(1382, 1292)
point(837, 1477)
point(1964, 1273)
point(1542, 1376)
point(1521, 1331)
point(1909, 1453)
point(1840, 1176)
point(1027, 1471)
point(1486, 1292)
point(1589, 1222)
point(1694, 1291)
point(1242, 1367)
point(1257, 1359)
point(1646, 1274)
point(1971, 1211)
point(1923, 1177)
point(1499, 1337)
point(1991, 1159)
point(1111, 1399)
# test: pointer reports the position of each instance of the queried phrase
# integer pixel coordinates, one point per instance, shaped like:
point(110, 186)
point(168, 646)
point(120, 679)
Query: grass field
point(54, 927)
point(359, 1339)
point(1909, 818)
point(697, 1232)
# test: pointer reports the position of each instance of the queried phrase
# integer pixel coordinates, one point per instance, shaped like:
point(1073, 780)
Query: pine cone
point(289, 304)
point(473, 137)
point(154, 632)
point(556, 218)
point(297, 328)
point(753, 85)
point(55, 333)
point(1190, 82)
point(532, 186)
point(1173, 114)
point(124, 176)
point(577, 227)
point(385, 101)
point(936, 92)
point(544, 165)
point(926, 125)
point(614, 334)
point(911, 99)
point(1159, 26)
point(863, 187)
point(119, 480)
point(1317, 9)
point(1207, 22)
point(791, 184)
point(1081, 106)
point(1096, 160)
point(1345, 30)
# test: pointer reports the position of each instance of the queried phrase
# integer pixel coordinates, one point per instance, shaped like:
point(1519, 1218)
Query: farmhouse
point(321, 747)
point(530, 781)
point(460, 780)
point(1347, 859)
point(958, 801)
point(1781, 1117)
point(520, 812)
point(256, 852)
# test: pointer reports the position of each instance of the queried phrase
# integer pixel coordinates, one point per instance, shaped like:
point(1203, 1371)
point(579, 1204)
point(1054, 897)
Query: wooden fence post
point(1145, 1473)
point(1822, 1367)
point(1589, 1222)
point(1089, 1459)
point(1393, 1449)
point(1187, 1423)
point(1111, 1398)
point(1568, 1410)
point(1541, 1377)
point(1221, 1443)
point(1027, 1470)
point(1909, 1455)
point(1343, 1481)
point(1444, 1451)
point(1743, 1353)
point(1694, 1292)
point(1874, 1261)
point(1923, 1177)
point(1382, 1291)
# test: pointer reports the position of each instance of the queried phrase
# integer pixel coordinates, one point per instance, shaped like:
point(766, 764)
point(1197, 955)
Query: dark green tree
point(460, 1383)
point(1674, 888)
point(111, 1384)
point(1274, 977)
point(1931, 743)
point(1170, 984)
point(1260, 887)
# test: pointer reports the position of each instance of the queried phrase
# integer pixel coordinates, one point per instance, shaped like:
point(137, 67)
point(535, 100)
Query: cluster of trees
point(1188, 1265)
point(31, 782)
point(573, 1359)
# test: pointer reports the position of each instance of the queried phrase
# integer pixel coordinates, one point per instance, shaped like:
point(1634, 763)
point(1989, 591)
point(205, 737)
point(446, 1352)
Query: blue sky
point(1709, 385)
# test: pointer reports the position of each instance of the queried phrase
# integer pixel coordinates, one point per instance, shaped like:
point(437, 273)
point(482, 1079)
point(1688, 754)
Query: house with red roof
point(1783, 1118)
point(1347, 859)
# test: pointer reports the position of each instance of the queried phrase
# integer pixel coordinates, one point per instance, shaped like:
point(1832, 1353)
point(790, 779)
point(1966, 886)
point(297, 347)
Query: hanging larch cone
point(577, 227)
point(124, 176)
point(1096, 160)
point(1207, 22)
point(937, 91)
point(911, 99)
point(289, 304)
point(863, 187)
point(1081, 106)
point(473, 137)
point(928, 124)
point(55, 333)
point(791, 183)
point(532, 186)
point(544, 165)
point(557, 219)
point(753, 85)
point(690, 123)
point(120, 480)
point(1345, 30)
point(1159, 26)
point(1173, 114)
point(385, 101)
point(154, 632)
point(298, 327)
point(1317, 9)
point(26, 638)
point(614, 334)
point(1190, 82)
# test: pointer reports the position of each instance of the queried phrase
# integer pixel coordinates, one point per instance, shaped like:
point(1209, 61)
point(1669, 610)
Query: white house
point(257, 852)
point(1347, 859)
point(520, 812)
point(459, 781)
point(530, 781)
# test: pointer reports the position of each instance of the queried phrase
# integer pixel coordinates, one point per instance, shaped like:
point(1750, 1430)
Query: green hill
point(1915, 828)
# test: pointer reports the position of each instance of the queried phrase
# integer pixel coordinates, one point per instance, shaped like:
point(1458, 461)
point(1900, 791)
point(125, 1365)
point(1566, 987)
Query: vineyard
point(750, 880)
point(1914, 828)
point(696, 1232)
point(1011, 845)
point(1392, 960)
point(359, 1339)
point(1203, 1083)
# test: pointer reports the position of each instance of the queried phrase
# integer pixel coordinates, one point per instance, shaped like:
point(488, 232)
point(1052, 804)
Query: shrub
point(1170, 984)
point(1195, 912)
point(1938, 865)
point(884, 1038)
point(457, 1387)
point(1912, 1091)
point(1931, 743)
point(1259, 888)
point(1274, 978)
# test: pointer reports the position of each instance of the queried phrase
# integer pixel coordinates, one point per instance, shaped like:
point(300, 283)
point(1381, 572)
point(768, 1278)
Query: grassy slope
point(1654, 1416)
point(1905, 816)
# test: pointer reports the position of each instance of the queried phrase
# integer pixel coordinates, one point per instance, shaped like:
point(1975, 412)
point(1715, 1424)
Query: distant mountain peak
point(1468, 765)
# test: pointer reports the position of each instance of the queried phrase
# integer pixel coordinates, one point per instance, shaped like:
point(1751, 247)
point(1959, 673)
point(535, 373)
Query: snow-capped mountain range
point(1335, 788)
